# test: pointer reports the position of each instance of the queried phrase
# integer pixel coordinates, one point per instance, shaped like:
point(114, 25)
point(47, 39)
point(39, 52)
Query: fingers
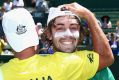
point(76, 8)
point(73, 7)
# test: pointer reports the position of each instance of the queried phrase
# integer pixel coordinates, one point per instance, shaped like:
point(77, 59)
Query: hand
point(78, 9)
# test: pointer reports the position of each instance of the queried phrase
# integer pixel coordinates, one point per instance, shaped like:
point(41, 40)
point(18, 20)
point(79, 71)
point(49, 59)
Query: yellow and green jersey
point(81, 65)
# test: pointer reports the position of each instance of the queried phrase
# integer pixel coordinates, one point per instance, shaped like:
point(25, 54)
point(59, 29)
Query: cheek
point(63, 34)
point(58, 34)
point(76, 34)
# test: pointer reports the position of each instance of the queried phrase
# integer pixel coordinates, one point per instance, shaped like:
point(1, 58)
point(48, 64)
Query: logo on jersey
point(90, 57)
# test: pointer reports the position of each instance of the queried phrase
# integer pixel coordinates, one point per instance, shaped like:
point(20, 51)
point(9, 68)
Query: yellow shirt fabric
point(81, 65)
point(1, 45)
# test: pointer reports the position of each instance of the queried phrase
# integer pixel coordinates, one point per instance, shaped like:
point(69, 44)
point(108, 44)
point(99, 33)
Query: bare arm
point(101, 45)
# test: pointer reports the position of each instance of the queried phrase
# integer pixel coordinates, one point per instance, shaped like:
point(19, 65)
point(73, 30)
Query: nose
point(68, 33)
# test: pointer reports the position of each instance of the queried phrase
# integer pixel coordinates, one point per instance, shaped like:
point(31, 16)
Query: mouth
point(67, 42)
point(67, 45)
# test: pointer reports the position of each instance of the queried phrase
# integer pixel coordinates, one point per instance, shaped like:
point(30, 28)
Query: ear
point(48, 34)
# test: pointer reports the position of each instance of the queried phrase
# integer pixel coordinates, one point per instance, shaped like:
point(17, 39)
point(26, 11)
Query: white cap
point(19, 28)
point(56, 12)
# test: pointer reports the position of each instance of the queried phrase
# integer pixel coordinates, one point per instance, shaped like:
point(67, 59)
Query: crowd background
point(107, 17)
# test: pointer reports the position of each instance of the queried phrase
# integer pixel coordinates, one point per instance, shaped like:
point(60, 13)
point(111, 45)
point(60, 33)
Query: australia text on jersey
point(43, 78)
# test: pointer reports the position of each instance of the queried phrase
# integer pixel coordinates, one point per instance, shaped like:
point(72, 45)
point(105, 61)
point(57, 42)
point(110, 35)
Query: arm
point(101, 45)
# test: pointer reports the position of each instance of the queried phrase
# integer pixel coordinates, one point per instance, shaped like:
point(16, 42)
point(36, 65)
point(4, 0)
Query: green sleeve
point(104, 74)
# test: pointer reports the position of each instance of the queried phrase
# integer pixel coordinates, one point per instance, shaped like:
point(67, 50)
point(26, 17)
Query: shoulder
point(90, 58)
point(86, 53)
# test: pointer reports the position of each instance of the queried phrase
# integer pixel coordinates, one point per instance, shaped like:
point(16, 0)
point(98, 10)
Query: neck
point(27, 53)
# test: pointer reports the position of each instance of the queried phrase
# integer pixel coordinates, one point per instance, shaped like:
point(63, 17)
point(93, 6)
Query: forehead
point(63, 19)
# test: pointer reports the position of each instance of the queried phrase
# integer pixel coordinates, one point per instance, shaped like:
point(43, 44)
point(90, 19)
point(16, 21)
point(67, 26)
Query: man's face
point(65, 34)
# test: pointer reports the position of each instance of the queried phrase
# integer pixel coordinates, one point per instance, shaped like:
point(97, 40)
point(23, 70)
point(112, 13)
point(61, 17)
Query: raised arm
point(101, 45)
